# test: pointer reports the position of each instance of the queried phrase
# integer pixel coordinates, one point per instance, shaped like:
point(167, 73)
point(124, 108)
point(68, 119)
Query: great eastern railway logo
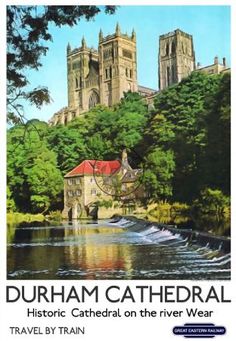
point(199, 330)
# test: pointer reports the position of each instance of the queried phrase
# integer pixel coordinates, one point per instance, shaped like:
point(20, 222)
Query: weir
point(168, 233)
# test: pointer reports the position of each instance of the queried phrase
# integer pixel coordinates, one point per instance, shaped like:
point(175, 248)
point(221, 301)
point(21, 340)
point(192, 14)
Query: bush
point(211, 211)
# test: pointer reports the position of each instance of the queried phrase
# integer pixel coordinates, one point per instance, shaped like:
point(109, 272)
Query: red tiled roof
point(101, 167)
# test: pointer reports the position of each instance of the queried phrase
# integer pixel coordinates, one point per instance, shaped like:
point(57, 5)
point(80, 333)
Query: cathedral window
point(93, 99)
point(110, 71)
point(80, 100)
point(168, 75)
point(107, 53)
point(106, 72)
point(167, 49)
point(173, 74)
point(127, 72)
point(76, 65)
point(127, 54)
point(130, 73)
point(173, 47)
point(76, 82)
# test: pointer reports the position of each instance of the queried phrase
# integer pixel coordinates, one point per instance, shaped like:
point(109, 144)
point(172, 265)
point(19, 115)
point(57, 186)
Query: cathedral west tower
point(82, 78)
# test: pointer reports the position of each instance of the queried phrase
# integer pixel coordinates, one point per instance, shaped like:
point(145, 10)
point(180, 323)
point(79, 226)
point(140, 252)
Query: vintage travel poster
point(116, 150)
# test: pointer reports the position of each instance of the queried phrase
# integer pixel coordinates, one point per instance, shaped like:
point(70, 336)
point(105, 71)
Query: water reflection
point(104, 251)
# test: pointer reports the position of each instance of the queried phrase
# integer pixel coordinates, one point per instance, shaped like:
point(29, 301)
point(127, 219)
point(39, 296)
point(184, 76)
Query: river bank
point(18, 217)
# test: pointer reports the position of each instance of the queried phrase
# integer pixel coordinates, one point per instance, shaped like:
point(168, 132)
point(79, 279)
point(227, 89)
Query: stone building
point(94, 181)
point(214, 68)
point(100, 76)
point(176, 57)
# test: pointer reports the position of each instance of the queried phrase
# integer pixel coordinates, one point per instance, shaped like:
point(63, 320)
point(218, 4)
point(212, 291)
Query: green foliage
point(211, 210)
point(217, 156)
point(33, 176)
point(10, 202)
point(28, 31)
point(105, 203)
point(188, 120)
point(68, 144)
point(44, 180)
point(158, 173)
point(170, 213)
point(55, 216)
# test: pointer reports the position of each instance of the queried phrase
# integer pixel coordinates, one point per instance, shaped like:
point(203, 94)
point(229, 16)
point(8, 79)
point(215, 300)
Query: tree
point(180, 125)
point(158, 174)
point(211, 211)
point(27, 33)
point(45, 181)
point(34, 179)
point(10, 202)
point(68, 145)
point(131, 116)
point(217, 157)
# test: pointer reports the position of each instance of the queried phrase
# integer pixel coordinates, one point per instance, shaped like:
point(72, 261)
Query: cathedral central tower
point(176, 57)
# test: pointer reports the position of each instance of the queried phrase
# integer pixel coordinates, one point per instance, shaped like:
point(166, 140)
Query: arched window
point(173, 47)
point(76, 82)
point(173, 74)
point(93, 99)
point(168, 75)
point(167, 49)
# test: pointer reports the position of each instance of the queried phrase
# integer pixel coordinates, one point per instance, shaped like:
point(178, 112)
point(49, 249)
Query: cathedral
point(102, 76)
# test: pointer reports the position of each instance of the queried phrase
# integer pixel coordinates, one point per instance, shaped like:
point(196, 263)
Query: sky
point(209, 25)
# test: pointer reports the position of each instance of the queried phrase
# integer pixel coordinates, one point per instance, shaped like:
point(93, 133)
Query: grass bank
point(17, 217)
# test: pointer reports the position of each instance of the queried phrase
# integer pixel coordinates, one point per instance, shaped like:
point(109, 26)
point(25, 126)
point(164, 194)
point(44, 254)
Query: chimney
point(216, 61)
point(224, 62)
point(124, 161)
point(124, 156)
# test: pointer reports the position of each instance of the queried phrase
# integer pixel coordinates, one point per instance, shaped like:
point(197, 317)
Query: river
point(104, 250)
